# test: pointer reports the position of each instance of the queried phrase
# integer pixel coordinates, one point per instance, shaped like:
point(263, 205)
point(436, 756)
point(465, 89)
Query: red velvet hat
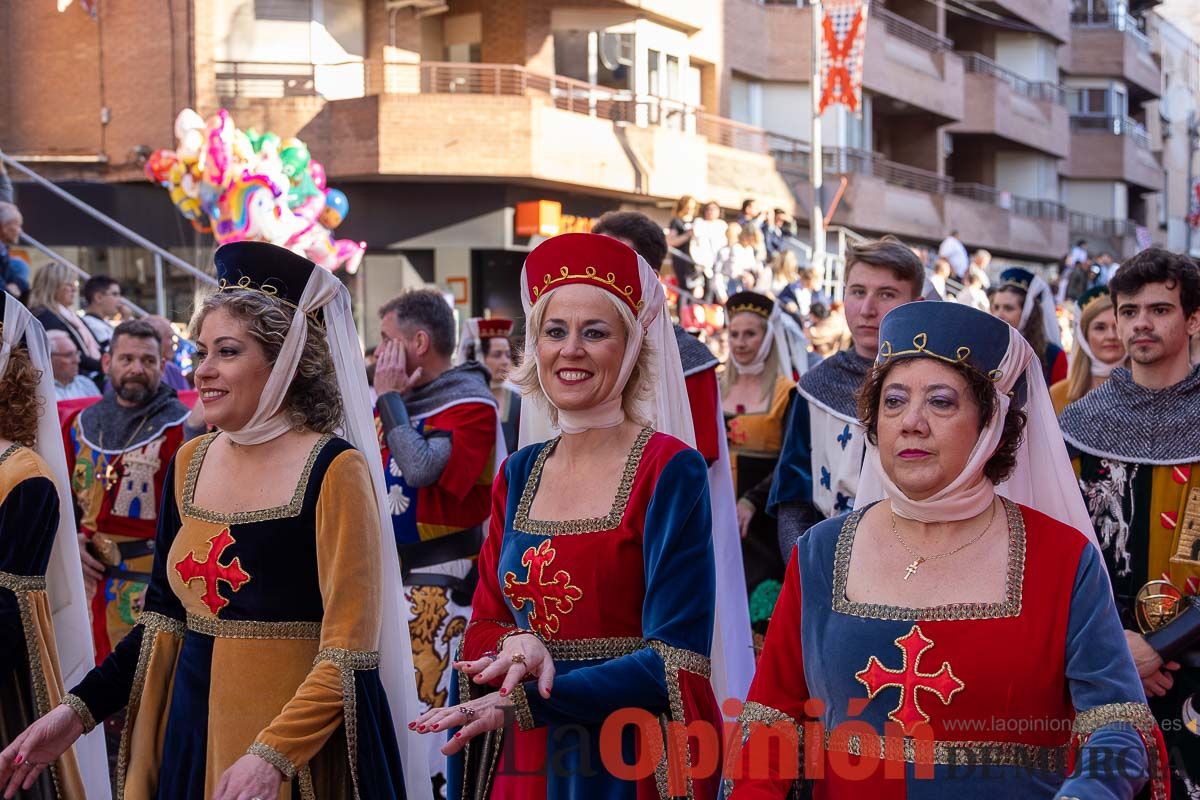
point(494, 327)
point(587, 258)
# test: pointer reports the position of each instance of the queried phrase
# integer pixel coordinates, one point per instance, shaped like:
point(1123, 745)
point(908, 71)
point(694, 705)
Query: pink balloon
point(316, 170)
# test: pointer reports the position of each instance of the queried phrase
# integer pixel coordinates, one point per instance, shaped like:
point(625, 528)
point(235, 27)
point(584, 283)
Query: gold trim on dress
point(152, 623)
point(76, 704)
point(754, 711)
point(1009, 607)
point(347, 661)
point(252, 629)
point(22, 583)
point(12, 448)
point(955, 753)
point(520, 705)
point(292, 509)
point(1139, 717)
point(675, 660)
point(273, 757)
point(594, 649)
point(537, 527)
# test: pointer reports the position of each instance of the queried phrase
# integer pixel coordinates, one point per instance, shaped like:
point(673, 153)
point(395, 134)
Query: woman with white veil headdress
point(597, 579)
point(1024, 301)
point(45, 635)
point(976, 636)
point(271, 658)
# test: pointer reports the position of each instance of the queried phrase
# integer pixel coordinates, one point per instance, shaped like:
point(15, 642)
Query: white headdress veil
point(324, 293)
point(668, 407)
point(1039, 294)
point(64, 574)
point(469, 338)
point(1042, 479)
point(786, 339)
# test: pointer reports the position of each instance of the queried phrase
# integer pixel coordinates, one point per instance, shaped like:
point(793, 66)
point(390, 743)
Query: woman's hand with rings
point(476, 717)
point(521, 655)
point(36, 748)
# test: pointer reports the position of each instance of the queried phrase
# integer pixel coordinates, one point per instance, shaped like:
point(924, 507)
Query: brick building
point(1022, 124)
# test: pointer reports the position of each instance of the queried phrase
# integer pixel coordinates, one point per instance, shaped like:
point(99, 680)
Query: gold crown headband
point(590, 274)
point(753, 309)
point(920, 347)
point(246, 285)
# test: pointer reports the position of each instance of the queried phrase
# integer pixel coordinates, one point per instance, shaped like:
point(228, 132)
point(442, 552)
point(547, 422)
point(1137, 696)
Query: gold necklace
point(919, 559)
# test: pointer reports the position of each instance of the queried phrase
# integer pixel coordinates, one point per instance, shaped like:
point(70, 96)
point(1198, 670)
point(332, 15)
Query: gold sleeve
point(347, 535)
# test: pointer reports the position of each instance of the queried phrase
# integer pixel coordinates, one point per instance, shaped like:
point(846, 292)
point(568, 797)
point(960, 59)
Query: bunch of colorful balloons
point(248, 185)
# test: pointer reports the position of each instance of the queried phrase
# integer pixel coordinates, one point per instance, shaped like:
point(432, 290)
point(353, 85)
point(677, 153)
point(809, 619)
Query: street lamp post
point(817, 223)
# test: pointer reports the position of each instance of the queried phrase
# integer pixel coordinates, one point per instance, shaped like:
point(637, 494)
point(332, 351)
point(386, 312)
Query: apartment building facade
point(1022, 124)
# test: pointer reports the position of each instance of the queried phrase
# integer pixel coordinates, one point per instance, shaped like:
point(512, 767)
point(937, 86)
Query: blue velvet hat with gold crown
point(1016, 277)
point(949, 332)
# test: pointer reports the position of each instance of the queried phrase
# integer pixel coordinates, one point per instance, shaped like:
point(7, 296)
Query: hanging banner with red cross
point(843, 43)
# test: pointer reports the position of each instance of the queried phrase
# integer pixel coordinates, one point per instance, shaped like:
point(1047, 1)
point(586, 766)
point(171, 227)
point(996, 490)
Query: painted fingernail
point(504, 692)
point(20, 759)
point(420, 727)
point(412, 726)
point(433, 727)
point(458, 736)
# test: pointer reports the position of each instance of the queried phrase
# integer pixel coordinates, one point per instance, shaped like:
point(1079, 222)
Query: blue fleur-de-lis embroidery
point(826, 478)
point(843, 502)
point(844, 437)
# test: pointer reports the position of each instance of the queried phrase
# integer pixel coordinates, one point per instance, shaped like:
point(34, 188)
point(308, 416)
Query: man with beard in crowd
point(118, 451)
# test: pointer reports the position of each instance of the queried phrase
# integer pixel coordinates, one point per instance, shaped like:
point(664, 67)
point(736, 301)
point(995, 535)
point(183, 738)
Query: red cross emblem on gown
point(547, 595)
point(212, 572)
point(910, 680)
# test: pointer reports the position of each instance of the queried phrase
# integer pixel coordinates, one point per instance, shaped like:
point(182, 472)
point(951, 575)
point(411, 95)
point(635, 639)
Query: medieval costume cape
point(118, 459)
point(1137, 457)
point(259, 635)
point(823, 447)
point(733, 659)
point(438, 528)
point(30, 677)
point(979, 700)
point(625, 606)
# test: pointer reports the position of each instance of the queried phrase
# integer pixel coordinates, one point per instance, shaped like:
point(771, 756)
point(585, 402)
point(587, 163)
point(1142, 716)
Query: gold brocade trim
point(1009, 607)
point(152, 623)
point(678, 658)
point(292, 509)
point(347, 661)
point(273, 757)
point(594, 649)
point(520, 705)
point(76, 704)
point(946, 752)
point(537, 527)
point(22, 583)
point(589, 274)
point(304, 778)
point(12, 448)
point(34, 653)
point(1136, 714)
point(253, 629)
point(758, 712)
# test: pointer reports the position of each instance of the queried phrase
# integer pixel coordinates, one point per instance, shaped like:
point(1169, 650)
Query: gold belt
point(253, 629)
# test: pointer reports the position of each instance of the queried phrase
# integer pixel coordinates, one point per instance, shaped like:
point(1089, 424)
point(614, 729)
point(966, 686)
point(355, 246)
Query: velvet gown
point(625, 604)
point(30, 678)
point(987, 701)
point(260, 635)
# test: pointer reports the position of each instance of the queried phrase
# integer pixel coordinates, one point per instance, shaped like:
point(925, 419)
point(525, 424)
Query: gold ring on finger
point(518, 658)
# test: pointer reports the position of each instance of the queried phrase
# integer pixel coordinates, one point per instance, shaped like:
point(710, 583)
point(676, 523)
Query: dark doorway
point(496, 278)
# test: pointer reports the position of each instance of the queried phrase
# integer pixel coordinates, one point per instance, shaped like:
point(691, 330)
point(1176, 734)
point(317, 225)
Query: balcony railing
point(1044, 91)
point(1114, 15)
point(843, 160)
point(909, 31)
point(1101, 226)
point(1021, 206)
point(1118, 126)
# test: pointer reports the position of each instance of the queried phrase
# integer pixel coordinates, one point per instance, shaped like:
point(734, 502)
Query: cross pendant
point(912, 568)
point(110, 478)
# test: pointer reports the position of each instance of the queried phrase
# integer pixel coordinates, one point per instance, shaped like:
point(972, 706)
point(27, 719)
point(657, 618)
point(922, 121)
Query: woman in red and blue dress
point(596, 593)
point(954, 635)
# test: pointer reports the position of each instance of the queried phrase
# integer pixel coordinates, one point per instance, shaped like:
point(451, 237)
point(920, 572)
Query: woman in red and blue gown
point(579, 621)
point(954, 635)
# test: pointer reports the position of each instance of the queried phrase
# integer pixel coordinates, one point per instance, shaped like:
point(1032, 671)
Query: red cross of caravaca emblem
point(212, 572)
point(548, 595)
point(910, 680)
